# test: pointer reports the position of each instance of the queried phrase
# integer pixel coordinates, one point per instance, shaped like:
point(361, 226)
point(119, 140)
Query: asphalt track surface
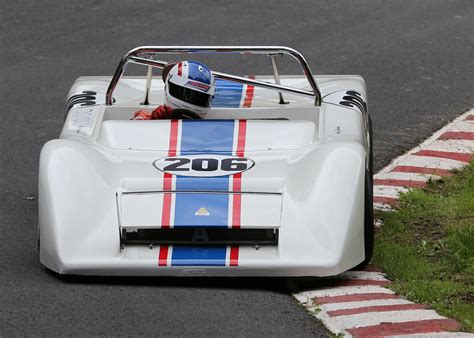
point(416, 57)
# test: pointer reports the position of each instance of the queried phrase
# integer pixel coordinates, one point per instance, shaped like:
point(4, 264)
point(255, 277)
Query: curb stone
point(356, 303)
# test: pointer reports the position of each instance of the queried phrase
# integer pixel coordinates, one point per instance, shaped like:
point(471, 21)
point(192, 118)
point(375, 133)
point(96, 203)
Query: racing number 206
point(204, 165)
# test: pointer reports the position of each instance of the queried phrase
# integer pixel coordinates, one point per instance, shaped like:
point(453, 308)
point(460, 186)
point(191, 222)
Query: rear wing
point(145, 55)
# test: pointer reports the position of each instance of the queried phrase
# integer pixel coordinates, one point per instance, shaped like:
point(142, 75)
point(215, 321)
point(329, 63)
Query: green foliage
point(427, 246)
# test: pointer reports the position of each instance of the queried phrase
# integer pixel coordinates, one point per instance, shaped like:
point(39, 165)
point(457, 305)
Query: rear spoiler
point(140, 220)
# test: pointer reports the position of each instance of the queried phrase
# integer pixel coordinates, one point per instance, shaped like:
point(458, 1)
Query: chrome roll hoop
point(145, 55)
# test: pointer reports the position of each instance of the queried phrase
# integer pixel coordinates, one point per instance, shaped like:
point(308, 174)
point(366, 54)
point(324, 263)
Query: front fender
point(76, 204)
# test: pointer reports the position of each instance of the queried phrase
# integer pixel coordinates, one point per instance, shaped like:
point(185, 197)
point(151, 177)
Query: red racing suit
point(160, 113)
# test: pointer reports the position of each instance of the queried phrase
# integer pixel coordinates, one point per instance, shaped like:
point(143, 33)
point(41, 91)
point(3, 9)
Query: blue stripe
point(208, 136)
point(187, 204)
point(198, 256)
point(228, 94)
point(187, 183)
point(211, 136)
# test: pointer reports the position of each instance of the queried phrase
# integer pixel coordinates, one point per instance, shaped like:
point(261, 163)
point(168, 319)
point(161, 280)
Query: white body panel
point(139, 210)
point(307, 182)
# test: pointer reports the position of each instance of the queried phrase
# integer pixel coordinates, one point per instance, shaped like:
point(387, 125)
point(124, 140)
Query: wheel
point(368, 223)
point(368, 207)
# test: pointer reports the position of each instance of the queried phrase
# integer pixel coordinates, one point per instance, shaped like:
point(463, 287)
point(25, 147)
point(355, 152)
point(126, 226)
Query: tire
point(368, 223)
point(368, 208)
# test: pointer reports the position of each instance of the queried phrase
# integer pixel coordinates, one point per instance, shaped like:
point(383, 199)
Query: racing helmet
point(189, 85)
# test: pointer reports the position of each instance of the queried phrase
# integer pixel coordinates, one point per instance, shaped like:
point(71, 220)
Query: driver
point(189, 87)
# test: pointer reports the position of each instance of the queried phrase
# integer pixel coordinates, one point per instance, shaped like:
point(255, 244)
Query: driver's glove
point(162, 112)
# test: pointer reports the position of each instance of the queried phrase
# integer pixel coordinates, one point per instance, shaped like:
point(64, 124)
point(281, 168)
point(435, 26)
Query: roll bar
point(139, 56)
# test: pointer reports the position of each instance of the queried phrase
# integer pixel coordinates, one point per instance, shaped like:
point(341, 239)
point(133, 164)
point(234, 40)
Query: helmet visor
point(189, 95)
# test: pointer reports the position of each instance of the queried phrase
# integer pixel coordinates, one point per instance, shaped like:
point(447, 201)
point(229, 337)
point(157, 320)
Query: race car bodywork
point(257, 188)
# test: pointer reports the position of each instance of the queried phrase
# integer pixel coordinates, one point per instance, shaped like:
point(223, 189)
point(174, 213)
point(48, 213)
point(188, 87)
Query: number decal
point(176, 166)
point(203, 165)
point(233, 164)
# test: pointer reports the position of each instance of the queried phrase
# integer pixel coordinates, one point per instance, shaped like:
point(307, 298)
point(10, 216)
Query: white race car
point(276, 180)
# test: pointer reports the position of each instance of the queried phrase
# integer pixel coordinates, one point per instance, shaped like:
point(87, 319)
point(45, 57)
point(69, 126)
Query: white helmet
point(189, 85)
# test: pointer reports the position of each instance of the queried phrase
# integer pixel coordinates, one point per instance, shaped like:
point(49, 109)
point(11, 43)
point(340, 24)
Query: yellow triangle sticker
point(202, 212)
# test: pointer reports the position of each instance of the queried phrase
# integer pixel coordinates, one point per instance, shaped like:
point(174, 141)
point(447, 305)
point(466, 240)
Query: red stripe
point(168, 178)
point(165, 215)
point(237, 201)
point(421, 170)
point(249, 94)
point(354, 298)
point(379, 308)
point(463, 157)
point(180, 69)
point(237, 178)
point(241, 138)
point(236, 188)
point(234, 255)
point(385, 200)
point(470, 118)
point(391, 329)
point(399, 183)
point(173, 138)
point(163, 255)
point(457, 135)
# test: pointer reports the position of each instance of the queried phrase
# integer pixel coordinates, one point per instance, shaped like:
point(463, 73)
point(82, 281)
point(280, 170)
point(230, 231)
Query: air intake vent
point(201, 236)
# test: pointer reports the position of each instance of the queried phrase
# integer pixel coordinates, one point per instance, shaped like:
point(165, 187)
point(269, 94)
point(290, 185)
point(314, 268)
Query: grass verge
point(426, 247)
